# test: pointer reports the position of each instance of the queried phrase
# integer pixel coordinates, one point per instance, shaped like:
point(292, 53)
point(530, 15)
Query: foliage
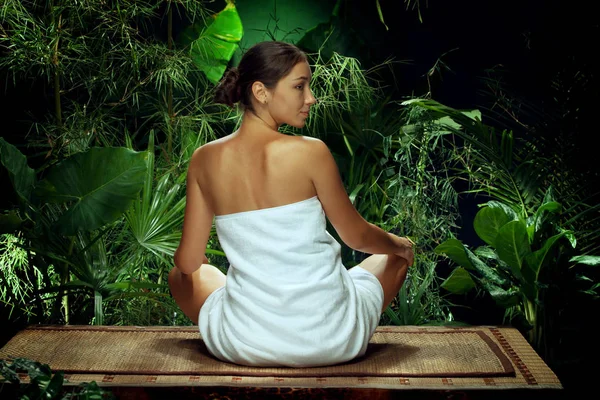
point(513, 171)
point(552, 131)
point(522, 226)
point(212, 46)
point(511, 266)
point(117, 79)
point(109, 74)
point(43, 384)
point(16, 284)
point(95, 197)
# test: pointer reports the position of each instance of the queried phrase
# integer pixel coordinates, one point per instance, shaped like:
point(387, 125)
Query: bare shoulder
point(197, 157)
point(204, 153)
point(310, 147)
point(328, 184)
point(293, 148)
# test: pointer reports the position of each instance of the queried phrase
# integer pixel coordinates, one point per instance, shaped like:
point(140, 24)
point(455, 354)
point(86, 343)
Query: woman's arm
point(352, 228)
point(378, 241)
point(197, 222)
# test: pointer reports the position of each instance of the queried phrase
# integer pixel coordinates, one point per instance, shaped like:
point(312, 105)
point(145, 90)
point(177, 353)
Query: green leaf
point(459, 281)
point(55, 385)
point(488, 222)
point(455, 250)
point(487, 273)
point(512, 245)
point(569, 235)
point(98, 309)
point(355, 192)
point(507, 209)
point(551, 206)
point(381, 15)
point(504, 298)
point(101, 183)
point(333, 36)
point(10, 222)
point(587, 260)
point(538, 217)
point(486, 252)
point(537, 259)
point(21, 176)
point(215, 252)
point(126, 285)
point(213, 49)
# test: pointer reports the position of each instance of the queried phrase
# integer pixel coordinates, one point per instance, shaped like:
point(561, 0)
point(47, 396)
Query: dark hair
point(266, 62)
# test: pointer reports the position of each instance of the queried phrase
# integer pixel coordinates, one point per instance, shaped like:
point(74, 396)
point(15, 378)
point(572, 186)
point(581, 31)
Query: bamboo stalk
point(57, 103)
point(170, 81)
point(64, 280)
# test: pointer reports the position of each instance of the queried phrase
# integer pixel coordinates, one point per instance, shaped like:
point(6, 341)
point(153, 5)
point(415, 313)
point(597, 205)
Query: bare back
point(250, 172)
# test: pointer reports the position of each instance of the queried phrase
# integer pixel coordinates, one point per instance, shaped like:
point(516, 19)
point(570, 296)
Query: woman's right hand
point(405, 249)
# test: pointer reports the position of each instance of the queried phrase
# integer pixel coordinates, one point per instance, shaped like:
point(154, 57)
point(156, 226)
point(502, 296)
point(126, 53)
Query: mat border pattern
point(540, 377)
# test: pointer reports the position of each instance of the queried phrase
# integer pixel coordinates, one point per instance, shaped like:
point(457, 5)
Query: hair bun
point(228, 91)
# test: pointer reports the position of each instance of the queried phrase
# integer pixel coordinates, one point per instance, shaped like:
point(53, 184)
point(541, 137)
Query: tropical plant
point(211, 45)
point(43, 383)
point(514, 175)
point(509, 170)
point(106, 67)
point(16, 286)
point(58, 214)
point(510, 267)
point(552, 129)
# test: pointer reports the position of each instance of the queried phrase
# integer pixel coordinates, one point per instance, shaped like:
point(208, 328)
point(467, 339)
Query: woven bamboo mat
point(398, 357)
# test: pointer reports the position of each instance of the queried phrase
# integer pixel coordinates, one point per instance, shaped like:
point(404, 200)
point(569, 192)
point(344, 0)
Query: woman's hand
point(405, 248)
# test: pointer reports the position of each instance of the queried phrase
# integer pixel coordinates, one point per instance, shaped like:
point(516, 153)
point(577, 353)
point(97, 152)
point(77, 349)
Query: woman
point(287, 299)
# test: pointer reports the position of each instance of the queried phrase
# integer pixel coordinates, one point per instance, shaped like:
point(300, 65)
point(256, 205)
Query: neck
point(258, 121)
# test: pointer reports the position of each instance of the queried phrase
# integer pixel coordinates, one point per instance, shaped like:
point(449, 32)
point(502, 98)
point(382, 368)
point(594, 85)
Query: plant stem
point(57, 105)
point(170, 81)
point(530, 315)
point(36, 290)
point(98, 312)
point(64, 280)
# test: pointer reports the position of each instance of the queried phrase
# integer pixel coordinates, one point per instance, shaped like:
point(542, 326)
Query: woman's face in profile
point(292, 98)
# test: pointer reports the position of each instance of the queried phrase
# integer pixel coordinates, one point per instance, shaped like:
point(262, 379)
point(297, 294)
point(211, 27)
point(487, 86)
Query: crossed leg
point(191, 291)
point(391, 271)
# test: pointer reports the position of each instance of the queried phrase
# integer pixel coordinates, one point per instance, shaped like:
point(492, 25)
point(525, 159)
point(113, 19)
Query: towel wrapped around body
point(288, 299)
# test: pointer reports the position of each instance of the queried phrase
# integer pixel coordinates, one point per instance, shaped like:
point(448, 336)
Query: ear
point(260, 92)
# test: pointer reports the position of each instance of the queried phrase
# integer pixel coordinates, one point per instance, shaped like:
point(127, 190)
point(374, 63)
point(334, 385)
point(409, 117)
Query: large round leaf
point(488, 222)
point(101, 183)
point(512, 245)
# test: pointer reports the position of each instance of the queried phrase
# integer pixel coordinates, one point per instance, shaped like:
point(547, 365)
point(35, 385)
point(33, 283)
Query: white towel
point(288, 300)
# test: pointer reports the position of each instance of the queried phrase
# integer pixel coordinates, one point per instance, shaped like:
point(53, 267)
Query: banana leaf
point(212, 46)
